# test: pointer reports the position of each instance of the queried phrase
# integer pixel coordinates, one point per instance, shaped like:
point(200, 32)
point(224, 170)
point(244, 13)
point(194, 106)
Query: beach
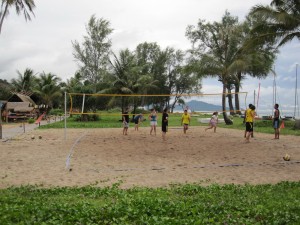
point(103, 157)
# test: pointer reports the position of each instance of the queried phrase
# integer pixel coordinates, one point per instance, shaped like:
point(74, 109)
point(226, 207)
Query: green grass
point(178, 204)
point(113, 121)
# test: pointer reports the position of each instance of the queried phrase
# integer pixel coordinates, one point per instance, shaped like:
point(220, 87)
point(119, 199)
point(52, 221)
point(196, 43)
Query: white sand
point(105, 156)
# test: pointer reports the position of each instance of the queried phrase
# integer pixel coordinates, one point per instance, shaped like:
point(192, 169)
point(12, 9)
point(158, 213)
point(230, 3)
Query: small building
point(18, 107)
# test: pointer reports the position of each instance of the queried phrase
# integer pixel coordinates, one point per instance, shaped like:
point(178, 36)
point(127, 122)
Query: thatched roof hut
point(20, 103)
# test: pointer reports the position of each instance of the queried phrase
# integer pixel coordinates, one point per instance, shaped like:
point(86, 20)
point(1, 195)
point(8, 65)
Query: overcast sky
point(44, 44)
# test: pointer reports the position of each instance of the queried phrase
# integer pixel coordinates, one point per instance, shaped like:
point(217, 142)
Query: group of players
point(249, 118)
point(153, 121)
point(186, 119)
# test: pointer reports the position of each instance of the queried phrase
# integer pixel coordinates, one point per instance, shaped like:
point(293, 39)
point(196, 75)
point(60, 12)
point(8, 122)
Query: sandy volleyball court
point(104, 156)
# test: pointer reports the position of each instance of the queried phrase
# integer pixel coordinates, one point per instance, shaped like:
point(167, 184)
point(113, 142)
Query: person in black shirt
point(164, 123)
point(137, 120)
point(276, 121)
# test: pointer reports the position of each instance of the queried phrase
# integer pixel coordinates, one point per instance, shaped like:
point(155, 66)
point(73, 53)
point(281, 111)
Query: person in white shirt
point(213, 122)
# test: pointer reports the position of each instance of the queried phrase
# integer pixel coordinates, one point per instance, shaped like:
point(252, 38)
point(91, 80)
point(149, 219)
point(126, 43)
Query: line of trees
point(226, 50)
point(44, 88)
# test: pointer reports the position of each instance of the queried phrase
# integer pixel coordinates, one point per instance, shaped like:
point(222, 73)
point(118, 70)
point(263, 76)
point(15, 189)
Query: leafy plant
point(177, 204)
point(31, 120)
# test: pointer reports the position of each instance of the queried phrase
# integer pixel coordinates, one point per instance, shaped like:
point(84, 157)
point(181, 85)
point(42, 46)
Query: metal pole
point(65, 116)
point(274, 89)
point(296, 86)
point(254, 95)
point(297, 89)
point(83, 99)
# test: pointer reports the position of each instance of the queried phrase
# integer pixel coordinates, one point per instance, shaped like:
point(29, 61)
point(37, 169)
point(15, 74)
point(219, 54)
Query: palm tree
point(127, 77)
point(5, 88)
point(253, 59)
point(74, 84)
point(222, 52)
point(22, 6)
point(281, 21)
point(216, 52)
point(25, 82)
point(48, 89)
point(123, 76)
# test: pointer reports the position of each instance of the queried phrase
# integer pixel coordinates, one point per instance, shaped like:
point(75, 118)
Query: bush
point(31, 120)
point(137, 111)
point(56, 112)
point(86, 117)
point(115, 110)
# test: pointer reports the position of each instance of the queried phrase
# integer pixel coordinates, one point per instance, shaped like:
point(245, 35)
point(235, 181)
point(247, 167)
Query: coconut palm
point(5, 88)
point(253, 59)
point(25, 82)
point(22, 6)
point(123, 76)
point(48, 89)
point(281, 21)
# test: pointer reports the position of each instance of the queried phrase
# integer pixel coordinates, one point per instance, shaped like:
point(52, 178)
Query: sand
point(102, 157)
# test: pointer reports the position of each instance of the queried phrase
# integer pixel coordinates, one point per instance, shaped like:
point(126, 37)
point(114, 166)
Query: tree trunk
point(3, 16)
point(229, 96)
point(236, 95)
point(84, 118)
point(237, 100)
point(226, 119)
point(122, 106)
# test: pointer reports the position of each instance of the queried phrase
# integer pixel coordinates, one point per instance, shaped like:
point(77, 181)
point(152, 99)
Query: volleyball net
point(114, 104)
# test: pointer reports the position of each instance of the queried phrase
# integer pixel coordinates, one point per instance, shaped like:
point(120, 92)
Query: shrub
point(86, 117)
point(31, 120)
point(56, 112)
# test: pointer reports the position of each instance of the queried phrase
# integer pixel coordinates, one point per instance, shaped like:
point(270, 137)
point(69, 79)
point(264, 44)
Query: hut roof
point(20, 106)
point(21, 98)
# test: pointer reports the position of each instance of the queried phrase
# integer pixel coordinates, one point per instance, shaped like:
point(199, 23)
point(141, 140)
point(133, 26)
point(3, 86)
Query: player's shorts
point(125, 124)
point(153, 123)
point(249, 126)
point(276, 124)
point(186, 125)
point(213, 123)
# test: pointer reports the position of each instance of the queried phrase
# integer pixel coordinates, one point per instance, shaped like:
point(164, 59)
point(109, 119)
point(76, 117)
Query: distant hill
point(195, 105)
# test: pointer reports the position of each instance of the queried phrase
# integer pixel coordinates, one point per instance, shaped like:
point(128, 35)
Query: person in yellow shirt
point(249, 109)
point(250, 114)
point(185, 121)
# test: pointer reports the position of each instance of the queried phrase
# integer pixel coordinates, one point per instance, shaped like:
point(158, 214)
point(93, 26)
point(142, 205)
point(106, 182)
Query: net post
point(83, 99)
point(65, 129)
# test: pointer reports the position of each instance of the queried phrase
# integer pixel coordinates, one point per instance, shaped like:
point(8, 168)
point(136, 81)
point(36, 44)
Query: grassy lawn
point(113, 121)
point(178, 204)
